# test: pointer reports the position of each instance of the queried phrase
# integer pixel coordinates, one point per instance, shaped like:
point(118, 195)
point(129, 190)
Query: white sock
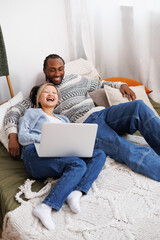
point(73, 201)
point(43, 212)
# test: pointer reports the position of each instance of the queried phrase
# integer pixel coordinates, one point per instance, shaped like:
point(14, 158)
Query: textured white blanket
point(120, 205)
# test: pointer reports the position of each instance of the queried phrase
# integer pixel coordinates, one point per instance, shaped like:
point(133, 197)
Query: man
point(53, 68)
point(112, 122)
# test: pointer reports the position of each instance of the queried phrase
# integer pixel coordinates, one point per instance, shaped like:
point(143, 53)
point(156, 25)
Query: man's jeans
point(127, 118)
point(74, 173)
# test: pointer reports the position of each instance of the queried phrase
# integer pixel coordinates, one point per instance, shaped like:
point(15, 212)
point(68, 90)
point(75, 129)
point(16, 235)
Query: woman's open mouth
point(50, 99)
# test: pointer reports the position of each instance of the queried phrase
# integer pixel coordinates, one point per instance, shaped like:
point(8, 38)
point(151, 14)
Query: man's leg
point(134, 116)
point(130, 117)
point(139, 158)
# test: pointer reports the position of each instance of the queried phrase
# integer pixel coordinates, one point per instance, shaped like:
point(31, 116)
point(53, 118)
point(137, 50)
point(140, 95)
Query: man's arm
point(96, 84)
point(11, 125)
point(125, 90)
point(123, 87)
point(13, 145)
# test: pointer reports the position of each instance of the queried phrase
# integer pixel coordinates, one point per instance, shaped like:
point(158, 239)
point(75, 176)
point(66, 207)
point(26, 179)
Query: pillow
point(130, 82)
point(82, 67)
point(3, 110)
point(99, 97)
point(115, 96)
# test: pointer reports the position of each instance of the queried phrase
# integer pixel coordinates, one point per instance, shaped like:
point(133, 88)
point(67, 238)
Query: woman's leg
point(43, 213)
point(73, 201)
point(69, 170)
point(94, 166)
point(71, 176)
point(65, 185)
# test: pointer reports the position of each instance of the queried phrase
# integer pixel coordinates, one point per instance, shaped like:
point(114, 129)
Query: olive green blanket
point(12, 175)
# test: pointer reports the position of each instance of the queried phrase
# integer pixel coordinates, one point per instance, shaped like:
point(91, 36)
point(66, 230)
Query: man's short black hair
point(51, 56)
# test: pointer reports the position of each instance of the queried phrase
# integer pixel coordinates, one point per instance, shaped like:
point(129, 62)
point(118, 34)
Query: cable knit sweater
point(75, 101)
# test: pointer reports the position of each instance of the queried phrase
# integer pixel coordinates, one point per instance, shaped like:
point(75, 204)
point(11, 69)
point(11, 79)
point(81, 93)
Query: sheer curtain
point(120, 37)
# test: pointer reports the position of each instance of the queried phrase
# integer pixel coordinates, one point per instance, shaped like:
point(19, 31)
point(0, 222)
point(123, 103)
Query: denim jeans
point(127, 118)
point(74, 173)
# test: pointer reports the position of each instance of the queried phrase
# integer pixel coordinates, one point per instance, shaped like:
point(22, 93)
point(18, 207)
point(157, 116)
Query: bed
point(120, 205)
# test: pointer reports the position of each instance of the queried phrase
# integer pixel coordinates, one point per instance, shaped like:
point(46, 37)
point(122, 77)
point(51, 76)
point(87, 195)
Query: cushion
point(3, 110)
point(99, 97)
point(82, 67)
point(130, 82)
point(115, 96)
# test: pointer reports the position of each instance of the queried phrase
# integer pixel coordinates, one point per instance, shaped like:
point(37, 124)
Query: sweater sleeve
point(27, 135)
point(14, 113)
point(96, 84)
point(111, 84)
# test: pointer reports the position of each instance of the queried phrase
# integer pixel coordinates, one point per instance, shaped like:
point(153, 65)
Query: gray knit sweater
point(75, 101)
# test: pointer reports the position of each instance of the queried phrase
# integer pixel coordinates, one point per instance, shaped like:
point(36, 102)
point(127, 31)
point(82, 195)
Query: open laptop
point(67, 139)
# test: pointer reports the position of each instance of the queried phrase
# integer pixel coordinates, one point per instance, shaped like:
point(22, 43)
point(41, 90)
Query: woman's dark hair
point(33, 95)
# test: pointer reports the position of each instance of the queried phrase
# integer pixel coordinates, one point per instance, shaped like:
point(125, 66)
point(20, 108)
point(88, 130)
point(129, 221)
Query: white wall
point(32, 29)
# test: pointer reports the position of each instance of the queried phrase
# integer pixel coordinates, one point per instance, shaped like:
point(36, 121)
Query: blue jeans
point(127, 118)
point(74, 173)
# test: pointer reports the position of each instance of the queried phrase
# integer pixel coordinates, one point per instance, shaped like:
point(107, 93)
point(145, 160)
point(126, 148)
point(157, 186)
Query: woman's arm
point(29, 129)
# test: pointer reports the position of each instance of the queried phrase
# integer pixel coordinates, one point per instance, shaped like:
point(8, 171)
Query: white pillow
point(82, 67)
point(3, 110)
point(114, 96)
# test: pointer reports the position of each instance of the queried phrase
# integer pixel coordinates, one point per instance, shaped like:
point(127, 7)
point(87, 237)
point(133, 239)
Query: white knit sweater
point(75, 101)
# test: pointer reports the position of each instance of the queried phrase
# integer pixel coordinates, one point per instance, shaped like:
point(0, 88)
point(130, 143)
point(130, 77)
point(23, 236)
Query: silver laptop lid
point(67, 139)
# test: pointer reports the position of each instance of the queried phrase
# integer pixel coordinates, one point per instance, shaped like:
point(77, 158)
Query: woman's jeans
point(127, 118)
point(74, 173)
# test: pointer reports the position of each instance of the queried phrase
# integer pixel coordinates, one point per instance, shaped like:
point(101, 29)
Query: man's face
point(54, 71)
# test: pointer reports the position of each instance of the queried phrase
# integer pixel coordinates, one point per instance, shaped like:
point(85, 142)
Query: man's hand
point(125, 90)
point(14, 146)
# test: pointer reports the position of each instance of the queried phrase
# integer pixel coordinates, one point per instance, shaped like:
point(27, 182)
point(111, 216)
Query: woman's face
point(48, 97)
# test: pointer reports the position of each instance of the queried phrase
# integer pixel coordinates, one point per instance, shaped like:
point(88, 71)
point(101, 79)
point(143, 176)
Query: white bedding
point(120, 205)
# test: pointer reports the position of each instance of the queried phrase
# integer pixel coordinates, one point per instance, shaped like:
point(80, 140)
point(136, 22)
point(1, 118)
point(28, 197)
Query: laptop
point(66, 139)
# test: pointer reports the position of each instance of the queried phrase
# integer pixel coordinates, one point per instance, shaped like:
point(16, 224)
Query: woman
point(76, 175)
